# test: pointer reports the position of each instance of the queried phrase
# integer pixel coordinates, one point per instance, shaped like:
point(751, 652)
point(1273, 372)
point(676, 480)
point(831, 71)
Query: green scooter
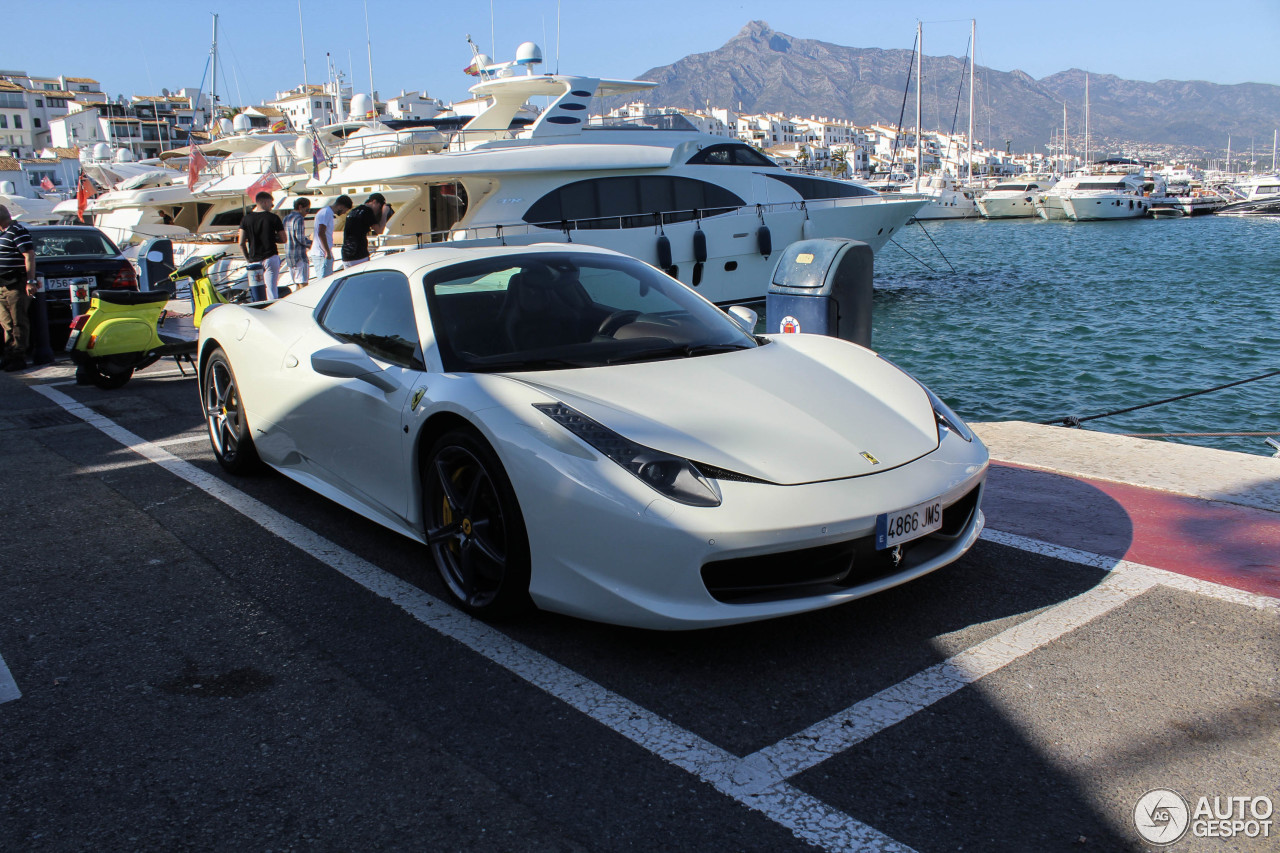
point(123, 330)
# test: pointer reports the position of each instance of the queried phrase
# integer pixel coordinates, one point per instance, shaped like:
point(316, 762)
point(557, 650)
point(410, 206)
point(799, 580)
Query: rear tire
point(474, 527)
point(224, 413)
point(108, 381)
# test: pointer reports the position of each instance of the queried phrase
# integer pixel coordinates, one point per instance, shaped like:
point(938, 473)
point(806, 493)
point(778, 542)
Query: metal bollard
point(80, 298)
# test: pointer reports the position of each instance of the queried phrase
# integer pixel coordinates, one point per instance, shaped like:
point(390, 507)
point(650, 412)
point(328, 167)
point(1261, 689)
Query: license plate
point(66, 283)
point(894, 528)
point(71, 341)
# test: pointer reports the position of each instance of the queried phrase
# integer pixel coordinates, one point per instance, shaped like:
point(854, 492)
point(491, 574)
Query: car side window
point(374, 310)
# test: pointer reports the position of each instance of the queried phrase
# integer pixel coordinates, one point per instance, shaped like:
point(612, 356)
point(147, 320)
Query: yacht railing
point(399, 143)
point(565, 230)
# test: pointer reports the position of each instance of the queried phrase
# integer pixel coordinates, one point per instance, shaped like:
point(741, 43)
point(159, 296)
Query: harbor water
point(1046, 319)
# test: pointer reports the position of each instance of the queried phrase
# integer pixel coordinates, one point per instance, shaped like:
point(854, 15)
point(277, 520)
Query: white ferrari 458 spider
point(571, 428)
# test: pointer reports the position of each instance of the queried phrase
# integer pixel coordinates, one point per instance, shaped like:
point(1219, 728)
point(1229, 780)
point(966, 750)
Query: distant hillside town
point(49, 124)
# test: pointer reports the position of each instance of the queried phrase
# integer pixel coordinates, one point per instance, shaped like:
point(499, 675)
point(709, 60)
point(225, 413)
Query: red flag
point(195, 163)
point(266, 184)
point(46, 184)
point(83, 193)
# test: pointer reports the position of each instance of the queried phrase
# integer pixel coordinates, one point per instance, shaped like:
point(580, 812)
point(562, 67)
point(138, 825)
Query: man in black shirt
point(17, 288)
point(260, 230)
point(363, 220)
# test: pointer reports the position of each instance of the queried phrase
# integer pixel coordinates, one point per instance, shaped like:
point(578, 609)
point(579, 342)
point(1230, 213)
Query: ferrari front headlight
point(671, 476)
point(947, 419)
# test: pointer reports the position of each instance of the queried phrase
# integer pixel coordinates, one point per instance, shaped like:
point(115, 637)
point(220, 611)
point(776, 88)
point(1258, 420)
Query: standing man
point(295, 229)
point(322, 243)
point(366, 219)
point(17, 288)
point(260, 230)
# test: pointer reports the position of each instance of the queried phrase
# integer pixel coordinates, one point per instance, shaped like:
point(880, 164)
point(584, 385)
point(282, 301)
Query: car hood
point(800, 409)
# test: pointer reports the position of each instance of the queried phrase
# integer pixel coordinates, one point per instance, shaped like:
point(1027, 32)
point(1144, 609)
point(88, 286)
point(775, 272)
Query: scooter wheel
point(110, 381)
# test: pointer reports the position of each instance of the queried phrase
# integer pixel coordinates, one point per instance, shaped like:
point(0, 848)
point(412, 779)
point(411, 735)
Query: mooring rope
point(1072, 421)
point(935, 245)
point(913, 257)
point(1197, 434)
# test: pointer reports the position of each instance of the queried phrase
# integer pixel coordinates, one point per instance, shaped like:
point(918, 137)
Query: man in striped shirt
point(17, 288)
point(295, 232)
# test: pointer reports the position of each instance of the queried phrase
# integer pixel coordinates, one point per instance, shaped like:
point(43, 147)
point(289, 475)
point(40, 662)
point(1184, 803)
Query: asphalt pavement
point(200, 662)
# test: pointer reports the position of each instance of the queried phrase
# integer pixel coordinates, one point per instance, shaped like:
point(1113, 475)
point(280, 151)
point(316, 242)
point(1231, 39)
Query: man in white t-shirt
point(322, 239)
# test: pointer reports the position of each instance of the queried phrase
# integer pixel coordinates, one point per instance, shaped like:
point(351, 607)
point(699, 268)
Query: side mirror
point(744, 317)
point(348, 361)
point(155, 257)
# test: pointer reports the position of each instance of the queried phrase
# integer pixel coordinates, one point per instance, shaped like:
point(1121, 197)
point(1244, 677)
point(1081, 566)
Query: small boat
point(1261, 198)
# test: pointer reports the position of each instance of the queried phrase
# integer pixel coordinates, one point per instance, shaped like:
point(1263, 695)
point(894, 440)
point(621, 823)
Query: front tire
point(101, 379)
point(474, 526)
point(224, 414)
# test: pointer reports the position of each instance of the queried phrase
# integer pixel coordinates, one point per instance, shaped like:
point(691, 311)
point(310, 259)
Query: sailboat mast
point(1274, 133)
point(973, 61)
point(919, 87)
point(1065, 155)
point(213, 92)
point(302, 36)
point(1228, 154)
point(368, 39)
point(1086, 119)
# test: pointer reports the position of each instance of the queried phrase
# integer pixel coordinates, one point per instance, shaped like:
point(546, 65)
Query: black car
point(66, 254)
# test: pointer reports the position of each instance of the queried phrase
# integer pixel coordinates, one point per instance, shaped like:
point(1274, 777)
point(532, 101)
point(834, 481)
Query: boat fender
point(699, 245)
point(664, 251)
point(697, 274)
point(764, 240)
point(806, 227)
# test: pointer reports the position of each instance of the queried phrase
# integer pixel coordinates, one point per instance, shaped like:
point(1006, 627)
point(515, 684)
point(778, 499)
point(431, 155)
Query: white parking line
point(894, 704)
point(805, 816)
point(8, 687)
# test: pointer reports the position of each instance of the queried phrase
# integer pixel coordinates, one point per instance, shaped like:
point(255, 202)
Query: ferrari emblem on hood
point(867, 456)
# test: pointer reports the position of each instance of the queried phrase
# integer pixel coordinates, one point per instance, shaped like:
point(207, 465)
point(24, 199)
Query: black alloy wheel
point(228, 431)
point(474, 527)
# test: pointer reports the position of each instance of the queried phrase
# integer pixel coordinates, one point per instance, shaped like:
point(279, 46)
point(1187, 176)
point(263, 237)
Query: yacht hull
point(1101, 208)
point(1020, 207)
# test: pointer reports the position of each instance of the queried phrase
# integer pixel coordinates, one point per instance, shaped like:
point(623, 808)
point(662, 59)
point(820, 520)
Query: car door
point(349, 430)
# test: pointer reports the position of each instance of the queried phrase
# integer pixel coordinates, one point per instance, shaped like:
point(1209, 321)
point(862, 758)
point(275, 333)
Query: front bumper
point(606, 547)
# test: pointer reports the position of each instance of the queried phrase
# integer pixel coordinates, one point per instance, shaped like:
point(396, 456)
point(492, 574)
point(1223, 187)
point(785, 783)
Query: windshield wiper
point(685, 351)
point(528, 364)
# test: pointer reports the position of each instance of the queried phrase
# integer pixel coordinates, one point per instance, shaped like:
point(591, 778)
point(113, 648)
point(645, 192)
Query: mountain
point(760, 70)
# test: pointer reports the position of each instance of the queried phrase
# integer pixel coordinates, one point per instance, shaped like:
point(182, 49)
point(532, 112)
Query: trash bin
point(257, 283)
point(822, 287)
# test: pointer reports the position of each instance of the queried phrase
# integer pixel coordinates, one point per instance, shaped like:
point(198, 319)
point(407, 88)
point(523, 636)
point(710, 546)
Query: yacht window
point(630, 202)
point(1013, 187)
point(227, 218)
point(819, 188)
point(374, 311)
point(730, 155)
point(1103, 185)
point(1268, 189)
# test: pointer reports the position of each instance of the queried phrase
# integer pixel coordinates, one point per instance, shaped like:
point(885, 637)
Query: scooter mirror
point(155, 257)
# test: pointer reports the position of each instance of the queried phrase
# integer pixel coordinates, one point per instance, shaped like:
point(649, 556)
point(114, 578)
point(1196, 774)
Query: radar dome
point(124, 155)
point(241, 123)
point(302, 150)
point(102, 151)
point(361, 106)
point(528, 54)
point(478, 64)
point(224, 125)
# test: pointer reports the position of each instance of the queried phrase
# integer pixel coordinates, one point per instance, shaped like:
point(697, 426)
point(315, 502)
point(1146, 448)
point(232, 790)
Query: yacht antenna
point(368, 40)
point(557, 36)
point(1274, 133)
point(1228, 154)
point(302, 35)
point(493, 40)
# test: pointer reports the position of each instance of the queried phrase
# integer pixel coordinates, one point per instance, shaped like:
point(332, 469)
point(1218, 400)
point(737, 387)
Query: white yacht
point(709, 210)
point(947, 198)
point(1014, 198)
point(1048, 203)
point(1259, 197)
point(1107, 196)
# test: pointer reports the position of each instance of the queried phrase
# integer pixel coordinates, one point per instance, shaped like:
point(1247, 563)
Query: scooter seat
point(131, 297)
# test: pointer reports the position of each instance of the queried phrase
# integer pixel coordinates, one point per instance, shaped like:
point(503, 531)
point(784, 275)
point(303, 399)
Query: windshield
point(72, 243)
point(567, 309)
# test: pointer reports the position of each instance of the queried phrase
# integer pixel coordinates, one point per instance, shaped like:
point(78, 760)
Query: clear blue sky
point(141, 46)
